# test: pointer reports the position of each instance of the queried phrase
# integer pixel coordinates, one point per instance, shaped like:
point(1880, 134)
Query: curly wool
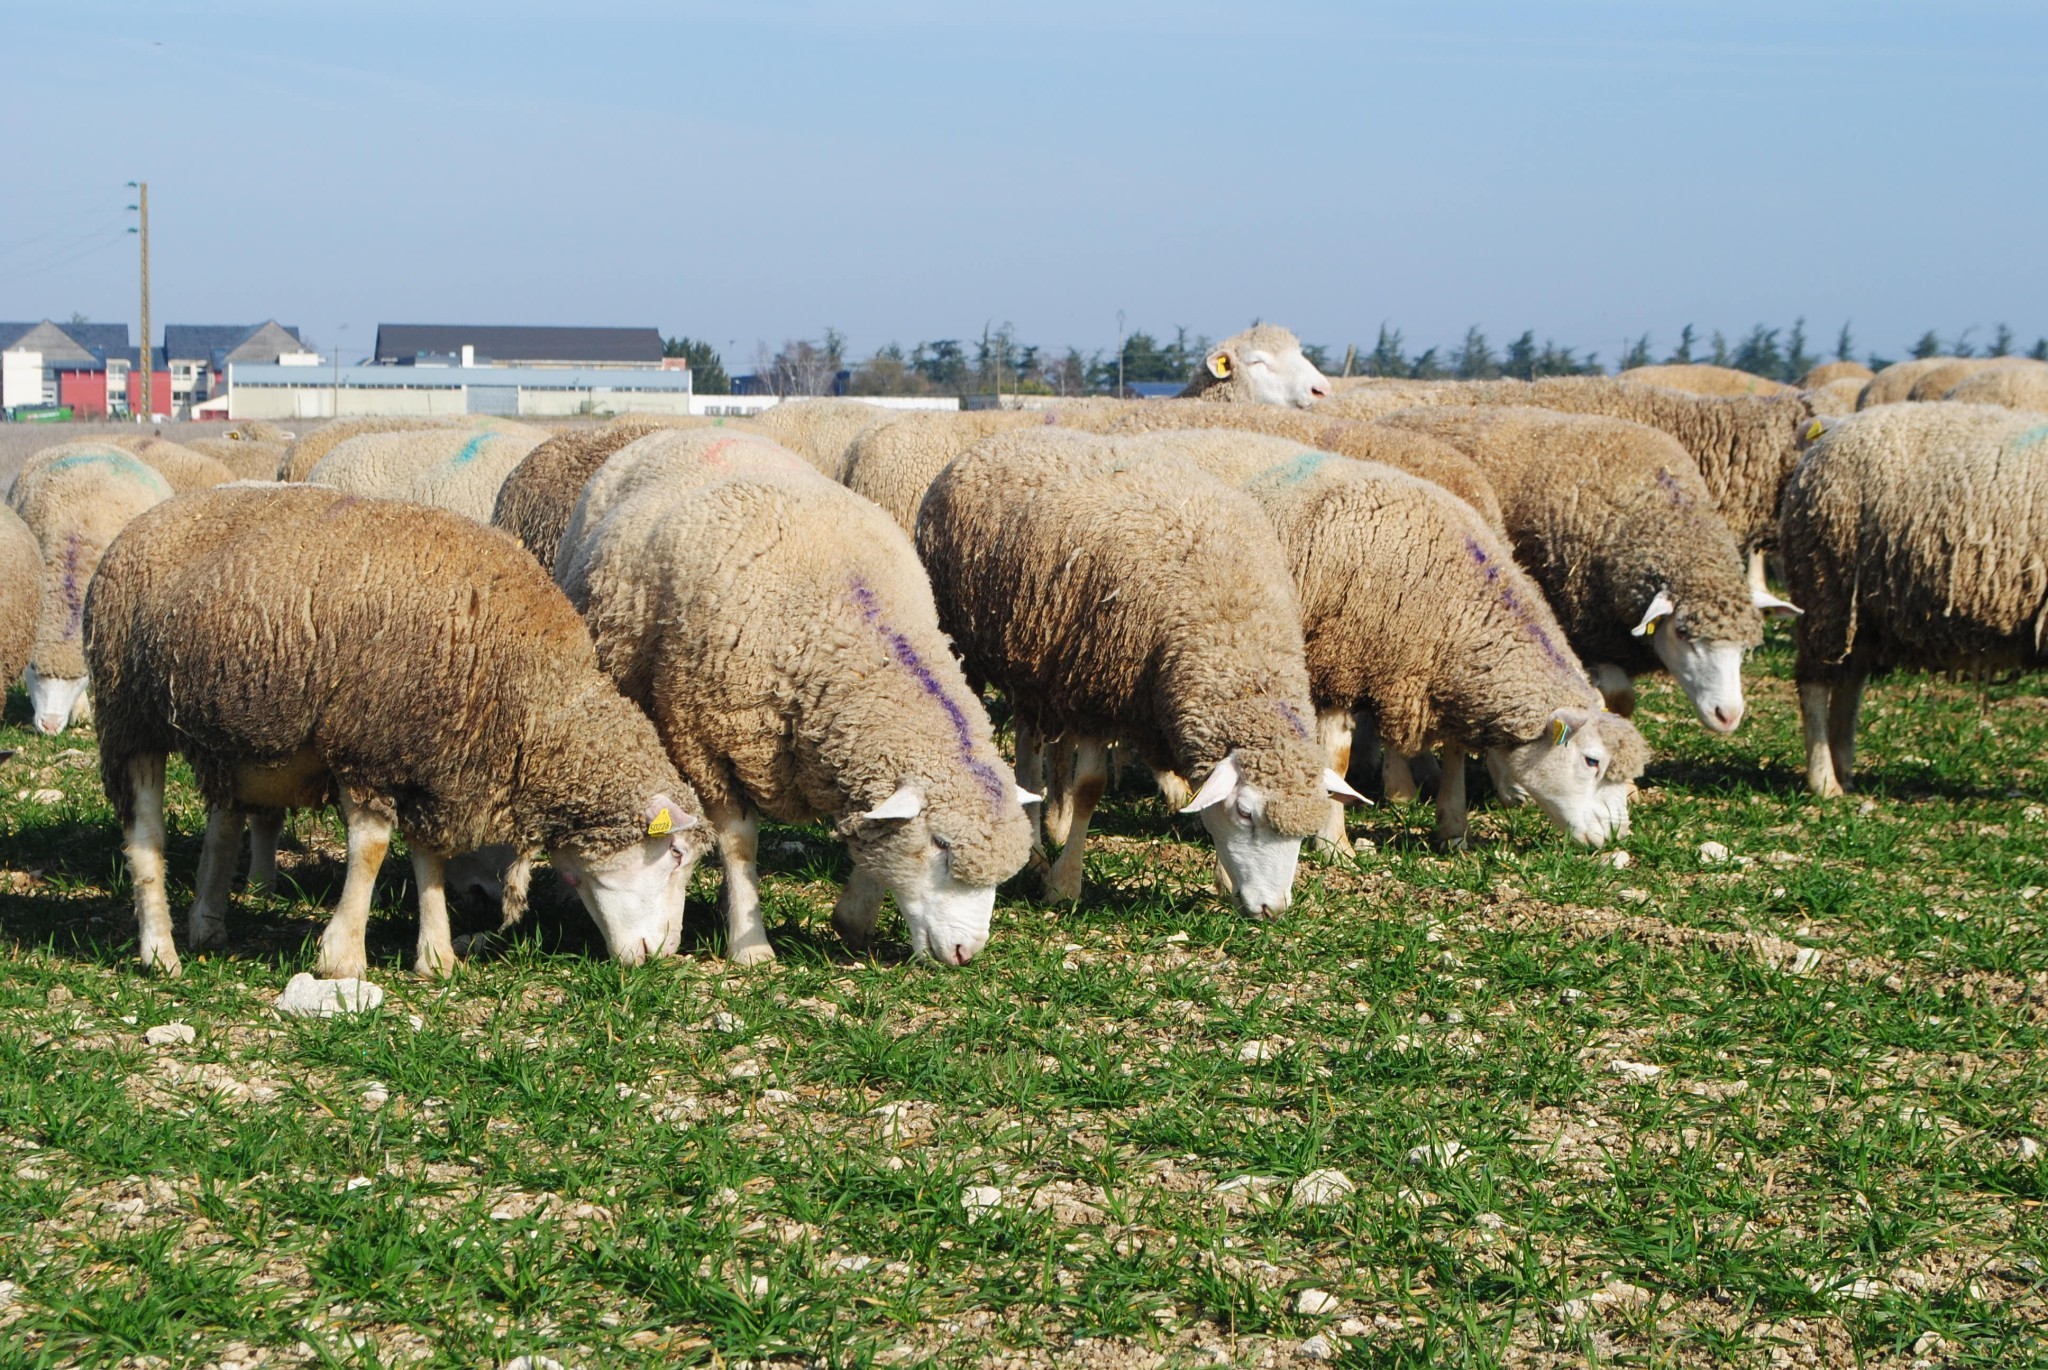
point(535, 501)
point(186, 468)
point(780, 632)
point(451, 469)
point(1700, 378)
point(1827, 373)
point(426, 662)
point(2015, 383)
point(310, 448)
point(894, 463)
point(1917, 536)
point(21, 593)
point(1127, 597)
point(1604, 513)
point(246, 458)
point(1835, 398)
point(820, 431)
point(76, 501)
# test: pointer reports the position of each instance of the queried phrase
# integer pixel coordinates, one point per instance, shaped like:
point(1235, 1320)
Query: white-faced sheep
point(297, 644)
point(1918, 537)
point(1137, 600)
point(781, 634)
point(451, 469)
point(1262, 365)
point(1415, 615)
point(1615, 523)
point(75, 503)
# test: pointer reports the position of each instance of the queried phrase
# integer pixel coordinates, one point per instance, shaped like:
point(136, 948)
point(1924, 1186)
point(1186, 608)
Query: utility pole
point(142, 205)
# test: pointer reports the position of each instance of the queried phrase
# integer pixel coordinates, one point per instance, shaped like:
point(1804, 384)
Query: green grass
point(597, 1163)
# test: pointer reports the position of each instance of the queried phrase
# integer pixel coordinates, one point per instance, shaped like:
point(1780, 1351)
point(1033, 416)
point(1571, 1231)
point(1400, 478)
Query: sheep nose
point(49, 724)
point(961, 955)
point(1727, 717)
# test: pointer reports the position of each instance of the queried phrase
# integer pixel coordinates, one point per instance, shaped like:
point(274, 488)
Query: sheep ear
point(1218, 786)
point(1339, 788)
point(1813, 431)
point(1659, 608)
point(905, 803)
point(665, 816)
point(1772, 606)
point(1025, 796)
point(1219, 365)
point(1560, 732)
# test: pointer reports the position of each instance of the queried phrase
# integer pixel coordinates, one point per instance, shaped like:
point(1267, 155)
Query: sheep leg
point(858, 909)
point(1333, 731)
point(1031, 778)
point(266, 827)
point(512, 897)
point(1451, 825)
point(739, 836)
point(1845, 708)
point(343, 953)
point(1061, 775)
point(1091, 775)
point(1397, 777)
point(1757, 584)
point(435, 954)
point(1820, 761)
point(1616, 687)
point(207, 924)
point(143, 843)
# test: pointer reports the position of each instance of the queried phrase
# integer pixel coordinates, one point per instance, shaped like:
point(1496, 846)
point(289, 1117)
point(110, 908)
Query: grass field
point(1098, 1145)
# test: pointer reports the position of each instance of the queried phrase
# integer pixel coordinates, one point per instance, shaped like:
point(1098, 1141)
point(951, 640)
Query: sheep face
point(897, 845)
point(1258, 860)
point(1270, 375)
point(1574, 775)
point(636, 894)
point(1709, 671)
point(56, 701)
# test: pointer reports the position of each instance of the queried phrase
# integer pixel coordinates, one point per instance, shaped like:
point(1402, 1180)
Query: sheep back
point(819, 430)
point(535, 501)
point(453, 469)
point(1827, 373)
point(894, 463)
point(75, 502)
point(311, 448)
point(1699, 378)
point(186, 468)
point(2014, 383)
point(21, 594)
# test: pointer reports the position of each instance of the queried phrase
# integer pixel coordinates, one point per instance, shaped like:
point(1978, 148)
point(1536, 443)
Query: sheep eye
point(1245, 811)
point(1592, 763)
point(943, 844)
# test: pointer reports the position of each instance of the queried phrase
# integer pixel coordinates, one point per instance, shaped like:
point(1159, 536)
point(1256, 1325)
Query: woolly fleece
point(820, 430)
point(453, 469)
point(75, 503)
point(1700, 378)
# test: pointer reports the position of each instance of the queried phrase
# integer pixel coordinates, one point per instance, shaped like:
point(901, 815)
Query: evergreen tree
point(1798, 361)
point(1683, 355)
point(1720, 357)
point(1844, 348)
point(1387, 358)
point(1474, 361)
point(1636, 354)
point(707, 368)
point(1520, 359)
point(1428, 367)
point(2001, 343)
point(2040, 352)
point(1757, 354)
point(1961, 347)
point(1928, 346)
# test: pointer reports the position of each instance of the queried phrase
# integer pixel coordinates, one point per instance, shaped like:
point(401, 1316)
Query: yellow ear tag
point(1651, 631)
point(1219, 366)
point(1815, 429)
point(662, 825)
point(1559, 731)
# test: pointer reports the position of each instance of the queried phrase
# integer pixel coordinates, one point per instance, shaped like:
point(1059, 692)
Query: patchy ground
point(1521, 1106)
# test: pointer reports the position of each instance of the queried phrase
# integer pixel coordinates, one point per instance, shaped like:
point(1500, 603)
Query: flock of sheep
point(623, 645)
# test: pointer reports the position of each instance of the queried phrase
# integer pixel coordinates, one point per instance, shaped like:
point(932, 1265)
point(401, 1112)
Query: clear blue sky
point(754, 170)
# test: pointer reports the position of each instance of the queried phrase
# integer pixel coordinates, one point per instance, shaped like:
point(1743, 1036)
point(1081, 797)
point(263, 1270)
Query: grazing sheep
point(21, 594)
point(894, 463)
point(1262, 365)
point(296, 644)
point(1836, 398)
point(1140, 600)
point(311, 448)
point(1922, 378)
point(1827, 373)
point(451, 469)
point(1699, 378)
point(1615, 523)
point(820, 431)
point(1937, 381)
point(1415, 614)
point(75, 502)
point(249, 458)
point(185, 468)
point(2015, 383)
point(781, 634)
point(1918, 537)
point(536, 500)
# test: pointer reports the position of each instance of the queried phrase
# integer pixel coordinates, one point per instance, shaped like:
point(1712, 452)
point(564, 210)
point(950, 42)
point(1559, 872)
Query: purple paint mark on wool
point(900, 647)
point(1671, 487)
point(72, 586)
point(1504, 586)
point(1293, 717)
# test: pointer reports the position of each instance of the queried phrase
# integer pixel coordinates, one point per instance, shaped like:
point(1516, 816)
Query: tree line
point(1000, 363)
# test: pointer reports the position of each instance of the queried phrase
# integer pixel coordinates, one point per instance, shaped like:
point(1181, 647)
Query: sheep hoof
point(758, 954)
point(1449, 843)
point(211, 933)
point(327, 967)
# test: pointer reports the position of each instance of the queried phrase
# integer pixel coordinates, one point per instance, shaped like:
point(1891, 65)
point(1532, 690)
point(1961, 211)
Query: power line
point(72, 252)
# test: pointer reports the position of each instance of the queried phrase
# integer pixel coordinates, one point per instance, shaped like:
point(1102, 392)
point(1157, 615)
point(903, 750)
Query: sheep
point(781, 634)
point(184, 467)
point(2015, 383)
point(1414, 611)
point(21, 594)
point(311, 448)
point(1836, 398)
point(1827, 373)
point(249, 458)
point(75, 500)
point(1918, 535)
point(1698, 378)
point(1615, 523)
point(296, 644)
point(820, 430)
point(451, 469)
point(1937, 381)
point(1922, 378)
point(1141, 600)
point(536, 500)
point(894, 463)
point(1262, 365)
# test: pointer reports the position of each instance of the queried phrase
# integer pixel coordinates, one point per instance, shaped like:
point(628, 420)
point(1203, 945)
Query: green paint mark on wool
point(1293, 472)
point(2033, 437)
point(120, 461)
point(469, 450)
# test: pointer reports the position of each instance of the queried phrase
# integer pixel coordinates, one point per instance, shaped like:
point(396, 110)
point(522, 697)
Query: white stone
point(980, 1200)
point(1804, 961)
point(2026, 1149)
point(1634, 1070)
point(1571, 996)
point(1620, 860)
point(1238, 1184)
point(415, 1022)
point(1314, 1303)
point(306, 997)
point(1712, 853)
point(357, 1182)
point(48, 796)
point(745, 1070)
point(1320, 1188)
point(852, 1265)
point(777, 1096)
point(170, 1034)
point(375, 1097)
point(1317, 1348)
point(722, 1021)
point(534, 1363)
point(1633, 896)
point(1439, 1155)
point(1255, 1052)
point(757, 1287)
point(1177, 937)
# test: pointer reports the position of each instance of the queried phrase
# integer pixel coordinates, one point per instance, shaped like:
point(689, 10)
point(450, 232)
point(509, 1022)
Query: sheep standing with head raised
point(781, 634)
point(75, 501)
point(1262, 365)
point(1917, 535)
point(1135, 599)
point(296, 644)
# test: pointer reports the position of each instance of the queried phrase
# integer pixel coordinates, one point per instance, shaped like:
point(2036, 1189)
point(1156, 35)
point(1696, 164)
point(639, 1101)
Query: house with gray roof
point(197, 354)
point(520, 345)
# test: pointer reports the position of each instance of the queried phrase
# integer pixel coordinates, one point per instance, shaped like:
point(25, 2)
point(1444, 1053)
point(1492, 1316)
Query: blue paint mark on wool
point(120, 461)
point(470, 449)
point(1295, 471)
point(906, 656)
point(2033, 437)
point(1497, 577)
point(1293, 717)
